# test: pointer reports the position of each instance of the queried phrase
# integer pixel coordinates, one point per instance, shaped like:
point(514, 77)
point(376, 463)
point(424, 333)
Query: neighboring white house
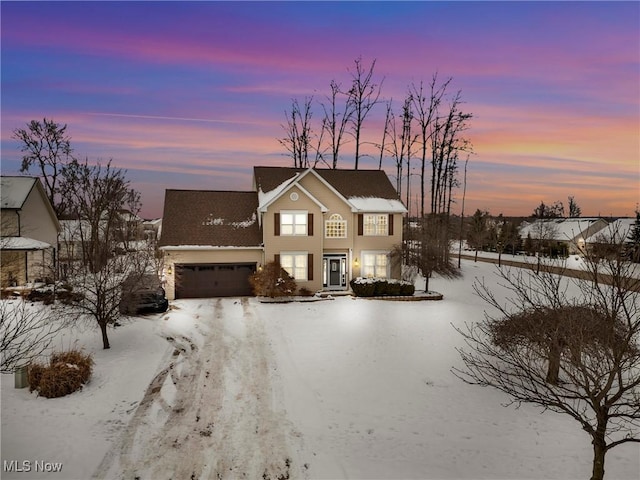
point(29, 232)
point(569, 234)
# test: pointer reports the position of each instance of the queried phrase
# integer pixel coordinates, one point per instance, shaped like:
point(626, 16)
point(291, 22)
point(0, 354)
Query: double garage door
point(213, 280)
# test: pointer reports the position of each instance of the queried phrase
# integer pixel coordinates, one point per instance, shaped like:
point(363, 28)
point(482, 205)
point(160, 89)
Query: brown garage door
point(213, 280)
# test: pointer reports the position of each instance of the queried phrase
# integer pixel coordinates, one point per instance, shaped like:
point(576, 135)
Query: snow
point(22, 243)
point(15, 190)
point(208, 247)
point(265, 198)
point(351, 388)
point(558, 228)
point(375, 204)
point(210, 221)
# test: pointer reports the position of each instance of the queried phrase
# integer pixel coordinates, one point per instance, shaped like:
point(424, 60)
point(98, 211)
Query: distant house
point(567, 235)
point(29, 232)
point(617, 231)
point(323, 226)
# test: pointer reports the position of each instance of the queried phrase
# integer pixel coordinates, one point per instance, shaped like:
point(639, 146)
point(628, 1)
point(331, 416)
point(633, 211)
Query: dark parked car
point(143, 294)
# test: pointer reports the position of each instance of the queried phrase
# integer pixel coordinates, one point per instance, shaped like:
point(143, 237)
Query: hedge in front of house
point(381, 287)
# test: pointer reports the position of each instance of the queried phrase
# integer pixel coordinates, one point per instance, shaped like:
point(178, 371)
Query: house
point(323, 226)
point(618, 231)
point(561, 235)
point(29, 232)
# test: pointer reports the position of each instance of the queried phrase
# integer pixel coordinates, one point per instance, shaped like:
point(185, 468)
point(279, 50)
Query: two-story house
point(323, 226)
point(29, 232)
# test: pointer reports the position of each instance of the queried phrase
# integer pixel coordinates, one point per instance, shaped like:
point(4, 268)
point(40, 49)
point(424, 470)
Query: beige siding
point(363, 243)
point(318, 244)
point(235, 255)
point(275, 244)
point(36, 221)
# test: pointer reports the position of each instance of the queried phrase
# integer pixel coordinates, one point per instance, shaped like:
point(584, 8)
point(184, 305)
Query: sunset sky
point(193, 95)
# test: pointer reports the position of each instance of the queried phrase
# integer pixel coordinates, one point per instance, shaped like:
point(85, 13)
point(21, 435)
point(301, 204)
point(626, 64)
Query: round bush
point(66, 373)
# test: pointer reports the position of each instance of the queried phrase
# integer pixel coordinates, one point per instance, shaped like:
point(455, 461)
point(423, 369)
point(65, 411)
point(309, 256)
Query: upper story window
point(293, 223)
point(335, 227)
point(376, 224)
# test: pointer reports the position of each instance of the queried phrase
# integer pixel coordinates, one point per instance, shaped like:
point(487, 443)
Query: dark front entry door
point(335, 276)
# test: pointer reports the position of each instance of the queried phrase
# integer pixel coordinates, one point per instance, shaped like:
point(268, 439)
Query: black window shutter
point(276, 224)
point(310, 224)
point(310, 266)
point(360, 224)
point(276, 258)
point(390, 224)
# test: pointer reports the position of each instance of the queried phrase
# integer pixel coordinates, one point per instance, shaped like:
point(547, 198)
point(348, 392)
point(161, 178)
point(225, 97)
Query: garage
point(213, 280)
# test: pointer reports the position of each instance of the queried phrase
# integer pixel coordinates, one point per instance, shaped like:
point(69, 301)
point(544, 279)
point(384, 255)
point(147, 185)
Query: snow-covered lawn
point(344, 388)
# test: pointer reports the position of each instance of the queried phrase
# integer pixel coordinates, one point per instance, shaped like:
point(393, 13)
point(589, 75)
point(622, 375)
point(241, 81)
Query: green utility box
point(21, 377)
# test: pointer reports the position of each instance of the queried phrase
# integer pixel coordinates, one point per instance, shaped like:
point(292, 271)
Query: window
point(295, 263)
point(376, 224)
point(293, 223)
point(335, 227)
point(374, 264)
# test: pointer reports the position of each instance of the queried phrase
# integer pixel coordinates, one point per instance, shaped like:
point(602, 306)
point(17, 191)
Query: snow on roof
point(208, 247)
point(15, 190)
point(22, 243)
point(265, 198)
point(618, 230)
point(374, 204)
point(562, 229)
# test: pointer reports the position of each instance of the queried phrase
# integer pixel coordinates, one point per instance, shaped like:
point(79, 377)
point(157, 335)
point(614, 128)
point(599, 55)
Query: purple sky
point(192, 95)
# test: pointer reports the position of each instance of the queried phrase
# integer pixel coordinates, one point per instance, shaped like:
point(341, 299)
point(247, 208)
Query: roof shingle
point(215, 218)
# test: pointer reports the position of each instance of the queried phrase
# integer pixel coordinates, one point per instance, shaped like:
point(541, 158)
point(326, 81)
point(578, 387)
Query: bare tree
point(337, 116)
point(425, 107)
point(298, 131)
point(363, 96)
point(26, 333)
point(47, 147)
point(385, 132)
point(97, 194)
point(576, 354)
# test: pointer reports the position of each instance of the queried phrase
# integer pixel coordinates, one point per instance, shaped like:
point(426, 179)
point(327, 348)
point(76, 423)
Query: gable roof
point(560, 229)
point(363, 190)
point(208, 218)
point(15, 190)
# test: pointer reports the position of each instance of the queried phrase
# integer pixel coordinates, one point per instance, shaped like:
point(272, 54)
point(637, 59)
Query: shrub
point(305, 292)
point(407, 289)
point(378, 287)
point(273, 281)
point(66, 373)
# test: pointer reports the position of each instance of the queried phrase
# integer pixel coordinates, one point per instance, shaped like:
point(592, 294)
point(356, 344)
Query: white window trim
point(376, 225)
point(306, 264)
point(337, 220)
point(294, 213)
point(364, 253)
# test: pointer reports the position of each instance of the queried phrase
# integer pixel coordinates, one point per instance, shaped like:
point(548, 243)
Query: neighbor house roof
point(205, 218)
point(364, 190)
point(15, 190)
point(560, 229)
point(617, 231)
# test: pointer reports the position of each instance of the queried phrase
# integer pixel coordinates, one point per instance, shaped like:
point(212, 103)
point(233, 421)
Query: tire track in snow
point(220, 422)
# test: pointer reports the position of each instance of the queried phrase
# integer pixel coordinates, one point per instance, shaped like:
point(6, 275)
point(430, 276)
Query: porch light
point(356, 263)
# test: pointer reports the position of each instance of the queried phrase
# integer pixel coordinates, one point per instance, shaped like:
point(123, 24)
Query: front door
point(335, 272)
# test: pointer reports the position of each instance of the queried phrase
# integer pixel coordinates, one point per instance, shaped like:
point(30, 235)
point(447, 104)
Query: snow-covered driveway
point(213, 411)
